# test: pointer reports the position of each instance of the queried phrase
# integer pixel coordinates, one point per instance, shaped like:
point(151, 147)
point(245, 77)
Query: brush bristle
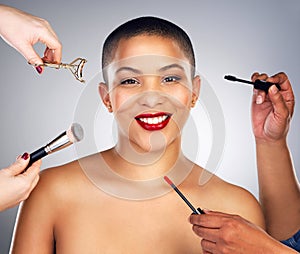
point(229, 77)
point(75, 133)
point(167, 179)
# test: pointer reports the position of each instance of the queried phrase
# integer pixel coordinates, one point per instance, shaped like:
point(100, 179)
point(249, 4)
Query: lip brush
point(196, 211)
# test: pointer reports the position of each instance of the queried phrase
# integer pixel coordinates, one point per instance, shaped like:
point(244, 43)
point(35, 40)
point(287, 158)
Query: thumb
point(280, 108)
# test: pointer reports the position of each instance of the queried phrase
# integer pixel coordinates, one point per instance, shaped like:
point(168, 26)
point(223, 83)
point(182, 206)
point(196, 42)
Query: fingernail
point(259, 99)
point(25, 156)
point(39, 69)
point(274, 89)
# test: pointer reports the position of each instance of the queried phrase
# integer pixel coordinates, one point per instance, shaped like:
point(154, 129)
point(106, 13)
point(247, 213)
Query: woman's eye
point(171, 79)
point(129, 81)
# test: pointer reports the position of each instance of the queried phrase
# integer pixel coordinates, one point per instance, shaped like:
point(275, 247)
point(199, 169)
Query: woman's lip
point(153, 122)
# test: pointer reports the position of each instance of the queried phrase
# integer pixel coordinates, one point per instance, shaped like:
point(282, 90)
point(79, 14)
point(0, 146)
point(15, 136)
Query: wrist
point(280, 143)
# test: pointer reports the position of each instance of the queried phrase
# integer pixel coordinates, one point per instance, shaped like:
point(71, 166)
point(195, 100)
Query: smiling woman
point(150, 87)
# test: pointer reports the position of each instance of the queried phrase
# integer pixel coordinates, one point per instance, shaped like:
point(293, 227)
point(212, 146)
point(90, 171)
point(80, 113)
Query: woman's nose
point(152, 94)
point(151, 98)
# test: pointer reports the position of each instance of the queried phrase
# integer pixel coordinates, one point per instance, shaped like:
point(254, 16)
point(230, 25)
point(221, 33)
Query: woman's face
point(151, 91)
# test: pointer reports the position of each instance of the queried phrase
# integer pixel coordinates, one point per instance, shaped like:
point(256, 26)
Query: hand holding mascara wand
point(258, 84)
point(195, 211)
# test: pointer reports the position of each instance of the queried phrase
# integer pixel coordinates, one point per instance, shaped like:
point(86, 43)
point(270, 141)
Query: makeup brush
point(196, 211)
point(68, 137)
point(258, 84)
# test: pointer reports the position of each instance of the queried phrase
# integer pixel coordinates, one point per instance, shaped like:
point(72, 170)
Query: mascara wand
point(258, 84)
point(195, 211)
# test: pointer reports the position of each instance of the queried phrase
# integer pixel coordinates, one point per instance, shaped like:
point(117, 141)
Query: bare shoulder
point(63, 180)
point(229, 198)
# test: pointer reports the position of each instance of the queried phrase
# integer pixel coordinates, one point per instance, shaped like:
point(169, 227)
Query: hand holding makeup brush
point(226, 233)
point(16, 186)
point(22, 30)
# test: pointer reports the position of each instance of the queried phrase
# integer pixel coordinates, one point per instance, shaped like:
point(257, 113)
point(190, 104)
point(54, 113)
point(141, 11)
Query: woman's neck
point(137, 165)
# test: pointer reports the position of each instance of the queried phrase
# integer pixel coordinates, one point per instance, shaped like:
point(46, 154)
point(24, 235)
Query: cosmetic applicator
point(258, 84)
point(195, 211)
point(65, 139)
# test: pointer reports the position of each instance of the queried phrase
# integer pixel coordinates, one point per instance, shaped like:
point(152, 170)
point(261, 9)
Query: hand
point(22, 30)
point(15, 185)
point(271, 113)
point(225, 233)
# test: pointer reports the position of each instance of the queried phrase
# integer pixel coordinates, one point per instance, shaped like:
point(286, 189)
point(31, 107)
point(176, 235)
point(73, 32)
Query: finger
point(256, 75)
point(31, 176)
point(33, 184)
point(50, 57)
point(33, 170)
point(280, 108)
point(53, 49)
point(259, 96)
point(209, 220)
point(286, 90)
point(210, 234)
point(208, 246)
point(19, 165)
point(281, 79)
point(30, 55)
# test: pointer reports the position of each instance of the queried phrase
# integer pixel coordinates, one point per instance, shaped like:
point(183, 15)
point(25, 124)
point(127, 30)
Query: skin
point(22, 30)
point(68, 208)
point(274, 163)
point(227, 233)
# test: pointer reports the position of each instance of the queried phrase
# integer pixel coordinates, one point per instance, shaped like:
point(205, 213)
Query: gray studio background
point(229, 37)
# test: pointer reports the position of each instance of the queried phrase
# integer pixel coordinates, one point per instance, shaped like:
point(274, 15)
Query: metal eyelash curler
point(75, 67)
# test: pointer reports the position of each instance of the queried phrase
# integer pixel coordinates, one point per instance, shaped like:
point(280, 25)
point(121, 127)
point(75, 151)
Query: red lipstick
point(153, 122)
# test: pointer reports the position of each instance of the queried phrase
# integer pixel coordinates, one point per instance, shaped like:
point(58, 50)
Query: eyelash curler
point(76, 67)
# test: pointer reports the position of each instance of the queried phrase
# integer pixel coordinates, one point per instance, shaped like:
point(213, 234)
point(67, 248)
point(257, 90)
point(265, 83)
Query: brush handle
point(36, 155)
point(264, 85)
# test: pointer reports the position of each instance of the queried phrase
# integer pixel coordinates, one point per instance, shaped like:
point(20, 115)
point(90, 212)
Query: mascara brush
point(258, 84)
point(195, 211)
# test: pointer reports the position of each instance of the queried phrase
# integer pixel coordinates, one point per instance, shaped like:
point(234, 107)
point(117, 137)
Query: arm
point(279, 189)
point(15, 184)
point(34, 227)
point(226, 233)
point(22, 30)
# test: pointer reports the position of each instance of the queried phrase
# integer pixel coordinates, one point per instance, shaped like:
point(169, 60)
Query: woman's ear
point(195, 90)
point(104, 94)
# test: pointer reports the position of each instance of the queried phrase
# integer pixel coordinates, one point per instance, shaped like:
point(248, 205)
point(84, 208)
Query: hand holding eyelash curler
point(76, 67)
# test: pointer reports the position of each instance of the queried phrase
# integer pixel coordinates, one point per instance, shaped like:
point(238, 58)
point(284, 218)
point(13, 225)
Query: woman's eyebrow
point(130, 69)
point(162, 69)
point(171, 66)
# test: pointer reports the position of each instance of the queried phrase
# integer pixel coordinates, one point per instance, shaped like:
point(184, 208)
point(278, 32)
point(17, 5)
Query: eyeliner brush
point(195, 211)
point(258, 84)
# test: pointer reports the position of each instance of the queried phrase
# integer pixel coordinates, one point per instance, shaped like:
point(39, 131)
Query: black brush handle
point(264, 85)
point(36, 155)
